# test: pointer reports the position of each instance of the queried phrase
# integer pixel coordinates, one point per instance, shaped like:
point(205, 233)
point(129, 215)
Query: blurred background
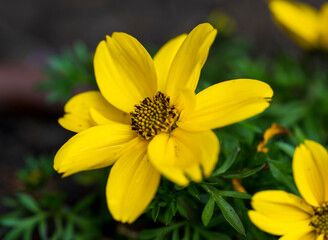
point(32, 31)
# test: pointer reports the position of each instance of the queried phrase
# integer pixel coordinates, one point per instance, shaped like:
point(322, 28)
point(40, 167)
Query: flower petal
point(274, 226)
point(132, 184)
point(299, 20)
point(279, 212)
point(280, 204)
point(124, 71)
point(304, 233)
point(320, 237)
point(189, 60)
point(77, 111)
point(182, 153)
point(269, 133)
point(323, 14)
point(226, 103)
point(163, 60)
point(310, 165)
point(93, 148)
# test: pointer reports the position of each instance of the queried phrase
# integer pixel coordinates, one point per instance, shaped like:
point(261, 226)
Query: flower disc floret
point(153, 116)
point(320, 219)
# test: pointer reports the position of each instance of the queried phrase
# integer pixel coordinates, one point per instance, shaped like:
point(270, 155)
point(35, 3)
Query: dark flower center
point(320, 219)
point(154, 116)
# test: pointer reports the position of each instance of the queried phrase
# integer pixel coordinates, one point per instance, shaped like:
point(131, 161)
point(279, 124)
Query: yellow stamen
point(153, 116)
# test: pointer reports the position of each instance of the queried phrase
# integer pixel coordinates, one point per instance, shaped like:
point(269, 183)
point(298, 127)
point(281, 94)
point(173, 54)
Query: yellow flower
point(148, 120)
point(274, 130)
point(282, 213)
point(304, 24)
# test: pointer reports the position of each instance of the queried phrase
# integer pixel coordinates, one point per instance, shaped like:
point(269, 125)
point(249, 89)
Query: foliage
point(72, 69)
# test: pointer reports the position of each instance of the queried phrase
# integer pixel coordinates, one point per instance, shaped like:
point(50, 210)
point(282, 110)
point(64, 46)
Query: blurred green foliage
point(64, 73)
point(211, 209)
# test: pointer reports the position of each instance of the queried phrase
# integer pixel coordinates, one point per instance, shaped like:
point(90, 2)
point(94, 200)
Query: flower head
point(147, 119)
point(304, 24)
point(282, 213)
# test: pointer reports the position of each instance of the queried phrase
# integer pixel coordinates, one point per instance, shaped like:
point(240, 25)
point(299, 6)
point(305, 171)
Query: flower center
point(153, 116)
point(320, 219)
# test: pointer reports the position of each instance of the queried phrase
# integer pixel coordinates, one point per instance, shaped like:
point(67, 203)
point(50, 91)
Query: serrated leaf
point(243, 173)
point(208, 211)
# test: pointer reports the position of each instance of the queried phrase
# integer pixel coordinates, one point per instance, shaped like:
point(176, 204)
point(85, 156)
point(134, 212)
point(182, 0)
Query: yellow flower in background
point(304, 24)
point(271, 132)
point(282, 213)
point(236, 184)
point(147, 119)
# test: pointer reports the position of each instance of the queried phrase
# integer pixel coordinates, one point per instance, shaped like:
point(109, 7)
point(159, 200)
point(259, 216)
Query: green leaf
point(15, 233)
point(186, 233)
point(29, 203)
point(168, 215)
point(193, 191)
point(25, 227)
point(68, 231)
point(43, 229)
point(230, 214)
point(245, 172)
point(227, 210)
point(153, 233)
point(227, 163)
point(289, 149)
point(235, 194)
point(175, 235)
point(27, 235)
point(84, 203)
point(281, 176)
point(196, 235)
point(10, 220)
point(155, 211)
point(59, 227)
point(182, 210)
point(208, 211)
